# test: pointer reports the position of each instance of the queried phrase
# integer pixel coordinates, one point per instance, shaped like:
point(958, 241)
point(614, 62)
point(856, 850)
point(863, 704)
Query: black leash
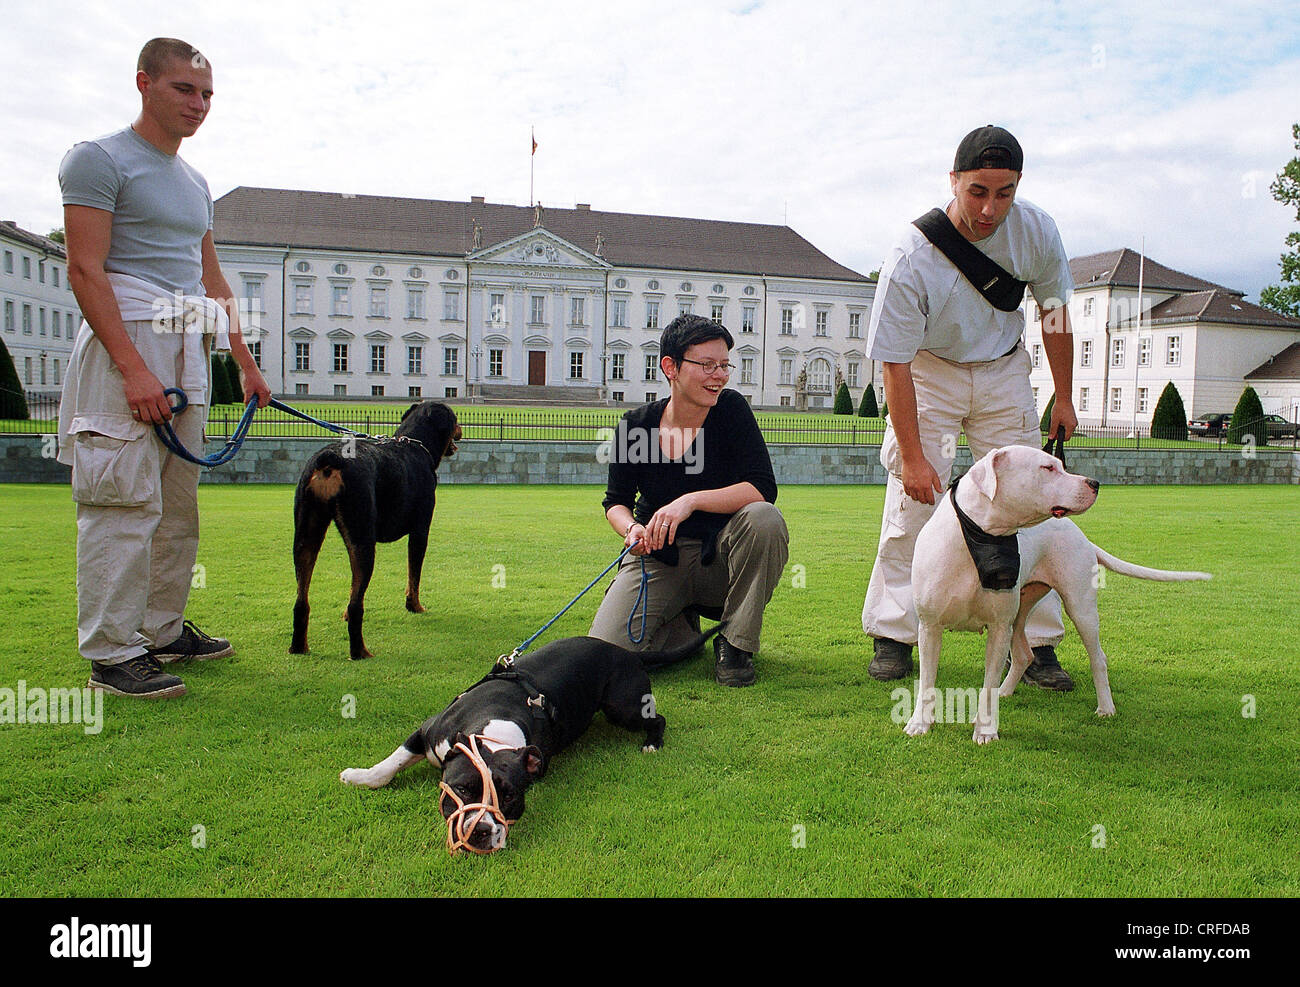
point(1056, 446)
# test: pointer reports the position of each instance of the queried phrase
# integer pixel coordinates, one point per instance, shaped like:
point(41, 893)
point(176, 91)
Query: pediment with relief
point(541, 248)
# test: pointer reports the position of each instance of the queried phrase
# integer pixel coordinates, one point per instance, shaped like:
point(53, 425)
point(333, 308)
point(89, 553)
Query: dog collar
point(996, 557)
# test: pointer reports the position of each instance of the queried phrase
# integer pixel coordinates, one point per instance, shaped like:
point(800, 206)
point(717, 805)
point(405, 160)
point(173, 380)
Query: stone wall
point(28, 459)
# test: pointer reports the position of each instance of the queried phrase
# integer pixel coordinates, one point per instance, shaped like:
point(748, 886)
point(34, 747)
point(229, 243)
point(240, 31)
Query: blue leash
point(167, 435)
point(508, 661)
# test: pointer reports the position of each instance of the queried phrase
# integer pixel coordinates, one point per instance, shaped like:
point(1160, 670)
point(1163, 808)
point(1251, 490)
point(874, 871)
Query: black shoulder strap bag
point(1004, 291)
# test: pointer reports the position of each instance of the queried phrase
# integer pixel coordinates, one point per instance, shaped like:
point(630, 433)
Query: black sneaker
point(890, 660)
point(192, 643)
point(140, 677)
point(1046, 672)
point(734, 667)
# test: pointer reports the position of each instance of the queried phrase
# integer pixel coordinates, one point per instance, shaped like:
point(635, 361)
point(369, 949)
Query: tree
point(1169, 421)
point(1284, 298)
point(220, 383)
point(868, 409)
point(843, 400)
point(1248, 419)
point(884, 409)
point(57, 236)
point(13, 403)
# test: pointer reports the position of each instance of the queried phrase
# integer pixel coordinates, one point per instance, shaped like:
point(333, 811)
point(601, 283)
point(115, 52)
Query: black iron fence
point(487, 424)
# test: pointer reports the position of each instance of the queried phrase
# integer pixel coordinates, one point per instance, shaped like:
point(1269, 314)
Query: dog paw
point(414, 607)
point(985, 736)
point(353, 776)
point(916, 728)
point(1106, 710)
point(648, 749)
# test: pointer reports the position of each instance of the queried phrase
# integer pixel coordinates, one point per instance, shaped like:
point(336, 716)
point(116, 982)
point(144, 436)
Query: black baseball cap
point(989, 147)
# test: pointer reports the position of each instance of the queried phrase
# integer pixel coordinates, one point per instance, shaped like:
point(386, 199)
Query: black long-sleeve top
point(728, 449)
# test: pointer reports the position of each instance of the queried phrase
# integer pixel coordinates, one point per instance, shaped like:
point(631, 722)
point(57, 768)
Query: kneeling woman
point(691, 485)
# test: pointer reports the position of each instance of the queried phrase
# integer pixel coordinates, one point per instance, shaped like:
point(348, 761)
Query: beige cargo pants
point(137, 504)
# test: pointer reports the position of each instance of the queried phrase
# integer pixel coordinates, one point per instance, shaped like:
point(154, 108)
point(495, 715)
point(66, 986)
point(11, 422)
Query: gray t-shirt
point(161, 207)
point(924, 303)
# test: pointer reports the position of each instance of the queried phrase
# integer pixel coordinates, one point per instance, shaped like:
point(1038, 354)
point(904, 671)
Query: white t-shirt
point(924, 303)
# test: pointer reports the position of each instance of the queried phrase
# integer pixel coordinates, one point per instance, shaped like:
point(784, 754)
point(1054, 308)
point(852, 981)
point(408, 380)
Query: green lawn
point(801, 785)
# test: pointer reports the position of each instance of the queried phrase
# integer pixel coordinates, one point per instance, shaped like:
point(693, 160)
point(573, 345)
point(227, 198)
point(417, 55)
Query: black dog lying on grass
point(374, 490)
point(497, 737)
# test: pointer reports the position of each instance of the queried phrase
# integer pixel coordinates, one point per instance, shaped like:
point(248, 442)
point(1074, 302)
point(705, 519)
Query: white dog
point(1012, 489)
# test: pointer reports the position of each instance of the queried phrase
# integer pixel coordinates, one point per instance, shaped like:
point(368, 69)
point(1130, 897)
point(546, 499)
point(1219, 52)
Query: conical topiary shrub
point(219, 392)
point(1248, 419)
point(867, 408)
point(232, 375)
point(1046, 422)
point(1169, 420)
point(13, 403)
point(843, 401)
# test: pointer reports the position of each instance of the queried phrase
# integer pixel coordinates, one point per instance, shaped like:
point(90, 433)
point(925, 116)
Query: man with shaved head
point(143, 267)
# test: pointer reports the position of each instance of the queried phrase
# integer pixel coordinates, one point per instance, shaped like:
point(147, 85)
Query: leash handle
point(1056, 445)
point(642, 601)
point(168, 437)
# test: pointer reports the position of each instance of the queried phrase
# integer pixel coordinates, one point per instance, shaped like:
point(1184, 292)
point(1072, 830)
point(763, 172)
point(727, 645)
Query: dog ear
point(533, 762)
point(984, 474)
point(458, 738)
point(407, 413)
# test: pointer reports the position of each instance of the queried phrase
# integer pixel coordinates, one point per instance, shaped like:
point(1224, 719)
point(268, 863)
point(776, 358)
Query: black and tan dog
point(374, 490)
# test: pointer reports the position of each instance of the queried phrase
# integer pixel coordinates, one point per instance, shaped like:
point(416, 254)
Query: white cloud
point(841, 116)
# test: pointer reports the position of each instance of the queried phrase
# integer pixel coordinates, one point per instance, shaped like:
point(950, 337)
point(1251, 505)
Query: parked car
point(1280, 428)
point(1215, 424)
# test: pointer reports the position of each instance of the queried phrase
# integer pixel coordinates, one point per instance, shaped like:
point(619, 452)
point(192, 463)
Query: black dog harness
point(543, 712)
point(996, 557)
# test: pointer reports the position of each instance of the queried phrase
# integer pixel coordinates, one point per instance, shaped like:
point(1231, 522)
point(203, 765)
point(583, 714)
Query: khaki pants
point(137, 504)
point(994, 404)
point(752, 551)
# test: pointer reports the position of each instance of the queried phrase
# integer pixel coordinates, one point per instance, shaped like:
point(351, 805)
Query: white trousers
point(993, 404)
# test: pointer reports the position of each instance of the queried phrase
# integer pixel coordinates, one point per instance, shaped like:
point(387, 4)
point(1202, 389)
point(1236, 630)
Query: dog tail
point(326, 480)
point(651, 660)
point(1142, 572)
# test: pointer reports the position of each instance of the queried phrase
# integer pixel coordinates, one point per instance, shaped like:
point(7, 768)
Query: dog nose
point(1096, 485)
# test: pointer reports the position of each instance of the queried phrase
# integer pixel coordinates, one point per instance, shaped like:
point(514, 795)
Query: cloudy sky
point(1164, 121)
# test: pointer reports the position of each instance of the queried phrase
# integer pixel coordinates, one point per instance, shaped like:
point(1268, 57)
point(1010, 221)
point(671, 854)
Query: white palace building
point(40, 315)
point(364, 296)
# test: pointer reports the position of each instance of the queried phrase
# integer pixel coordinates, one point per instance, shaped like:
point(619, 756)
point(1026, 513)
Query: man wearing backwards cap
point(952, 362)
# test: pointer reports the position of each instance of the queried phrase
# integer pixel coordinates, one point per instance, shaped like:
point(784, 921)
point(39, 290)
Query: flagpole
point(1137, 341)
point(531, 155)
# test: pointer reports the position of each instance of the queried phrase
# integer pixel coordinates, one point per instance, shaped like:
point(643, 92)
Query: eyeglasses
point(710, 367)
